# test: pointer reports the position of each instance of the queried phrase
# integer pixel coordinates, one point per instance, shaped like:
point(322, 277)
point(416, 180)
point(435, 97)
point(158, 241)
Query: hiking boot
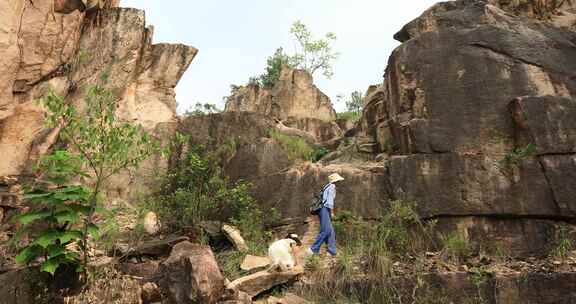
point(309, 252)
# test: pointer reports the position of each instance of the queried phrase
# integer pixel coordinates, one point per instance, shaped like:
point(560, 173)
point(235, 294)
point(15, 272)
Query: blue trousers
point(326, 234)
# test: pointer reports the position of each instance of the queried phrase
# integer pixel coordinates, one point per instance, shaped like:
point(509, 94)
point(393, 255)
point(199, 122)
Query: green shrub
point(60, 207)
point(454, 247)
point(515, 157)
point(296, 148)
point(190, 192)
point(318, 154)
point(401, 230)
point(564, 244)
point(194, 190)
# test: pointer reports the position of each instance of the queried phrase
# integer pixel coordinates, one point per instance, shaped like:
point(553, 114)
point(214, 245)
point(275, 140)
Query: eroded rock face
point(35, 46)
point(364, 191)
point(294, 95)
point(476, 119)
point(54, 44)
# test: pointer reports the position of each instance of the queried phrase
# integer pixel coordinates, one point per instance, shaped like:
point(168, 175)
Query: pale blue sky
point(234, 38)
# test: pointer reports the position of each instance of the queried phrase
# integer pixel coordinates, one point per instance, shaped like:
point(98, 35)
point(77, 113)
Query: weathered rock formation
point(472, 88)
point(294, 95)
point(41, 47)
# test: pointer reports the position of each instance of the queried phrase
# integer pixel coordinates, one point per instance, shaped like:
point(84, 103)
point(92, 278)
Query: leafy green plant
point(564, 244)
point(318, 154)
point(192, 191)
point(59, 208)
point(354, 105)
point(479, 276)
point(454, 247)
point(274, 65)
point(296, 148)
point(515, 157)
point(394, 227)
point(101, 144)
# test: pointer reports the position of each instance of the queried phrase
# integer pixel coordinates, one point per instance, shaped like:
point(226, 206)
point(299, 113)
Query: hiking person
point(325, 213)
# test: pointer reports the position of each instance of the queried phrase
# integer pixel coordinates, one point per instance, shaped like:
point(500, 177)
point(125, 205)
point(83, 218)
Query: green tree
point(355, 103)
point(313, 55)
point(102, 144)
point(274, 66)
point(202, 109)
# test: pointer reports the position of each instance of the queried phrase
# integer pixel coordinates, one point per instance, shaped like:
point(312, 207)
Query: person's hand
point(332, 214)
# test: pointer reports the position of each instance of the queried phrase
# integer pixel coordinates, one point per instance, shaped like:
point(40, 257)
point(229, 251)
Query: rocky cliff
point(474, 122)
point(473, 89)
point(41, 47)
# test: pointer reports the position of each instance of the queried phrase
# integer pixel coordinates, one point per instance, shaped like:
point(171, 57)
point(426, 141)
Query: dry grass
point(108, 286)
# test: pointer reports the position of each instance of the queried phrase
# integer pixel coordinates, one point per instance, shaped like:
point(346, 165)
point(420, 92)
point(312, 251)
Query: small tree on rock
point(274, 68)
point(313, 55)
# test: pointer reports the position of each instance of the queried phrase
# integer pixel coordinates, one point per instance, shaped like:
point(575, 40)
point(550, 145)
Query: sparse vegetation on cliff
point(274, 66)
point(295, 147)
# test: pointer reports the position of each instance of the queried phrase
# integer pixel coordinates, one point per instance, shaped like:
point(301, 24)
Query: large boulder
point(191, 275)
point(474, 287)
point(449, 184)
point(230, 128)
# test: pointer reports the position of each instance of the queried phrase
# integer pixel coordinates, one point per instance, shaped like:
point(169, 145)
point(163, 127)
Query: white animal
point(281, 253)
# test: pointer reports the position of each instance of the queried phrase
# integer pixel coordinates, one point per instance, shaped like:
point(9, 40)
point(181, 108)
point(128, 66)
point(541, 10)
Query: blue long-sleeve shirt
point(329, 195)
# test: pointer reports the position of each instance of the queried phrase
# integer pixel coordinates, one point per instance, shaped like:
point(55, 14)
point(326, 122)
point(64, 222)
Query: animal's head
point(295, 238)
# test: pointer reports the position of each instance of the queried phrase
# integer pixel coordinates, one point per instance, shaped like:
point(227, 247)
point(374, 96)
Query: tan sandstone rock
point(41, 48)
point(191, 275)
point(252, 262)
point(259, 282)
point(294, 95)
point(234, 235)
